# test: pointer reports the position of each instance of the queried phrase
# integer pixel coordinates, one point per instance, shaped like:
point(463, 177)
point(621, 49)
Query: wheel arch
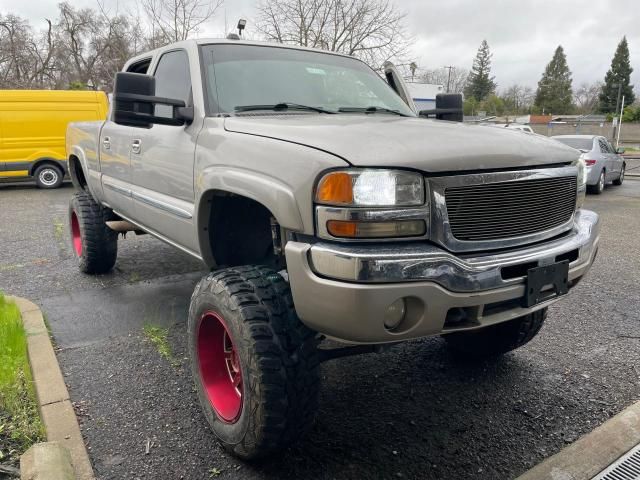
point(47, 161)
point(234, 229)
point(228, 193)
point(77, 165)
point(76, 173)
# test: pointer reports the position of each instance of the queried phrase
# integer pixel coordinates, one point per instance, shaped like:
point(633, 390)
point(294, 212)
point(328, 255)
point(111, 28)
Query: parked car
point(33, 124)
point(325, 208)
point(604, 163)
point(516, 126)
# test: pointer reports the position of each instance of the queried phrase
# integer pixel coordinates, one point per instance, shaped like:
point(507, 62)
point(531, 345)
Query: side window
point(172, 76)
point(603, 146)
point(140, 67)
point(610, 147)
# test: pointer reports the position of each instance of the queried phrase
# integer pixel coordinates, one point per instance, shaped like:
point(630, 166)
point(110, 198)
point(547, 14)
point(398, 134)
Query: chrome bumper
point(344, 290)
point(410, 262)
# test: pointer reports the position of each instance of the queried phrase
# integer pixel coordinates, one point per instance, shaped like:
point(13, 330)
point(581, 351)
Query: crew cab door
point(114, 144)
point(162, 158)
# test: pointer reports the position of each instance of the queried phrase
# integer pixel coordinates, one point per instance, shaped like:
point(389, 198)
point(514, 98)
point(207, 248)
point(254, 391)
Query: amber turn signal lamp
point(347, 229)
point(335, 188)
point(339, 228)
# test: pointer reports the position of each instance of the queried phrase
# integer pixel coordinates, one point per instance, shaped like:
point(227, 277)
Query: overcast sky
point(522, 34)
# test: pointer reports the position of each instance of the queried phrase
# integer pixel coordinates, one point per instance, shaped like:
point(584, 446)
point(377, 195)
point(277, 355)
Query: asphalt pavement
point(412, 412)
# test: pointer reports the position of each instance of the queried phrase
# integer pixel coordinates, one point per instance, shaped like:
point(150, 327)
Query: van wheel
point(48, 176)
point(254, 364)
point(496, 339)
point(93, 243)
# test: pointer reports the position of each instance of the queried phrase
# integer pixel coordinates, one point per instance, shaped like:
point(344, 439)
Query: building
point(424, 94)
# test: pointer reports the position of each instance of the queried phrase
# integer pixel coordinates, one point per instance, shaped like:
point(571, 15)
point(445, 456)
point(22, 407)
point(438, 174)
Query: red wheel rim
point(76, 238)
point(219, 364)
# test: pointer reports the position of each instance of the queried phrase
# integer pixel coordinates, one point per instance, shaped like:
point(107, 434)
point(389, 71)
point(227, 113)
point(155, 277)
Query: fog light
point(394, 314)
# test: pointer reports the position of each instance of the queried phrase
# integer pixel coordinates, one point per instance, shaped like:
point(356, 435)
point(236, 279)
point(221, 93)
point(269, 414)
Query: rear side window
point(140, 67)
point(610, 147)
point(604, 148)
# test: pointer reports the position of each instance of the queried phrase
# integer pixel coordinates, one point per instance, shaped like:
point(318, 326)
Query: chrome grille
point(510, 209)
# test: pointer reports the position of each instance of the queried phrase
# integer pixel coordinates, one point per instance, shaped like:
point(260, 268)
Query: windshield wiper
point(371, 109)
point(280, 107)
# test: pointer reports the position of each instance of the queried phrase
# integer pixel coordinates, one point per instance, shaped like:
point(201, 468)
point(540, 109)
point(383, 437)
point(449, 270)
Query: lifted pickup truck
point(325, 207)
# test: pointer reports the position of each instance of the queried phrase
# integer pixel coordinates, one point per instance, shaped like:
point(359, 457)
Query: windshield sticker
point(316, 71)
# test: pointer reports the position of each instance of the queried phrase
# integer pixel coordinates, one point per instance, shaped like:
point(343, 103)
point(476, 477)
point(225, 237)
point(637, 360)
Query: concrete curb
point(44, 461)
point(594, 452)
point(53, 399)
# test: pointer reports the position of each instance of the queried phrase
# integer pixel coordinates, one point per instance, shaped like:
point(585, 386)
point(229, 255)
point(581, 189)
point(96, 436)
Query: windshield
point(242, 76)
point(577, 143)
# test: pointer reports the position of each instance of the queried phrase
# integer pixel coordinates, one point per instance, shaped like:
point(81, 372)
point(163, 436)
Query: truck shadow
point(415, 412)
point(29, 184)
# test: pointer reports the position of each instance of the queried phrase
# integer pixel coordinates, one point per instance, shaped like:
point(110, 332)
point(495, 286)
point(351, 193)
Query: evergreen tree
point(554, 94)
point(619, 73)
point(480, 83)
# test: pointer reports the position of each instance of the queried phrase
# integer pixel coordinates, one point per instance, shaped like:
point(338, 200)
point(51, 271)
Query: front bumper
point(343, 291)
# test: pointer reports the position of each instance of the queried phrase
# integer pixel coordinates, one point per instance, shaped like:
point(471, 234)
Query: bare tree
point(175, 20)
point(26, 58)
point(586, 97)
point(93, 45)
point(440, 76)
point(518, 98)
point(372, 30)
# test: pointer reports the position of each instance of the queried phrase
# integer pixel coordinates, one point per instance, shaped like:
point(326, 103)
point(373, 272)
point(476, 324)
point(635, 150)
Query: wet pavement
point(412, 412)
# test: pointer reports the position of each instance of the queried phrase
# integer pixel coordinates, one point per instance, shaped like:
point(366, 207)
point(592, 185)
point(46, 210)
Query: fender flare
point(272, 193)
point(78, 153)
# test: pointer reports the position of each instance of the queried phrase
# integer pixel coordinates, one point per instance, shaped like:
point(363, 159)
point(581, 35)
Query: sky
point(522, 34)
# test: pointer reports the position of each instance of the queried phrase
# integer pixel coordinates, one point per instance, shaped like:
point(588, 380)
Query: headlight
point(371, 188)
point(368, 204)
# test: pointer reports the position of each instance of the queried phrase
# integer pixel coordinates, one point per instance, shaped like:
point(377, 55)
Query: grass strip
point(20, 424)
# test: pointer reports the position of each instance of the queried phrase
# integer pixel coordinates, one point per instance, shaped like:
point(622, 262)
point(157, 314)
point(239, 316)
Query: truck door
point(115, 156)
point(114, 145)
point(162, 159)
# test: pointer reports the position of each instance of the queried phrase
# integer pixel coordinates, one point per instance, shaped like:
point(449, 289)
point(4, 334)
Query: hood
point(383, 140)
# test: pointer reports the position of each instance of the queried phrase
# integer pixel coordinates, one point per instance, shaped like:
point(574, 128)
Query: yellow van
point(32, 131)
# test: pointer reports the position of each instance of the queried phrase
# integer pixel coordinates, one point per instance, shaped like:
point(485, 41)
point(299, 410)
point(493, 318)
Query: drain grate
point(626, 467)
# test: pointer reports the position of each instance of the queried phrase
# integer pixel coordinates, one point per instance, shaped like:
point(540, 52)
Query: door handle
point(136, 146)
point(106, 143)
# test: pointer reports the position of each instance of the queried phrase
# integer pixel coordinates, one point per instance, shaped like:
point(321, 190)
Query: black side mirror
point(134, 103)
point(448, 107)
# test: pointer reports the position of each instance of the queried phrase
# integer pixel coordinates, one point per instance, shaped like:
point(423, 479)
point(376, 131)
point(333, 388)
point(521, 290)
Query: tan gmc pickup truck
point(325, 207)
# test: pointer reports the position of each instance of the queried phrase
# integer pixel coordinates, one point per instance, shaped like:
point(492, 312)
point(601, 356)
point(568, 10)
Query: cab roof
point(225, 41)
